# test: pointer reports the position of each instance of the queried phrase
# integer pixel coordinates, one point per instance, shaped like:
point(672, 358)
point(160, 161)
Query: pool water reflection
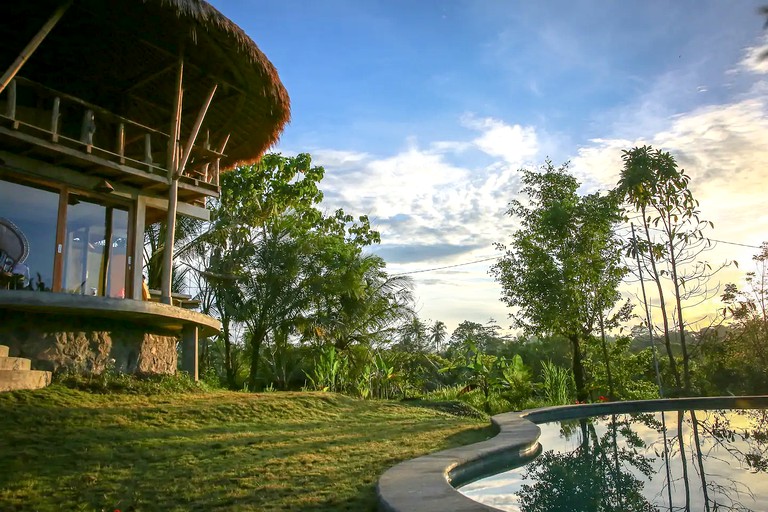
point(703, 460)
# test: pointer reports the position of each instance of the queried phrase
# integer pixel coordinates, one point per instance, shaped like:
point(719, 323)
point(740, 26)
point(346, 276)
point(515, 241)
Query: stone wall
point(88, 345)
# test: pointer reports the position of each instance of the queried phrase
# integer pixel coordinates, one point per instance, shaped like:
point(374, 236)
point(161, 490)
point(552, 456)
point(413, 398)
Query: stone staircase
point(16, 373)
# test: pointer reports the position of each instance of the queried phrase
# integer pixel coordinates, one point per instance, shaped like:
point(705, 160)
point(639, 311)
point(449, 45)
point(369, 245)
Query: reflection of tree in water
point(747, 446)
point(593, 477)
point(706, 442)
point(698, 457)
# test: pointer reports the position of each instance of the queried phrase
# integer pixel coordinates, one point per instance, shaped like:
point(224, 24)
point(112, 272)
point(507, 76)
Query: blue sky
point(422, 112)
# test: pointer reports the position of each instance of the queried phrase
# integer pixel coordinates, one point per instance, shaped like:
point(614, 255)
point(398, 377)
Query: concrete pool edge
point(424, 484)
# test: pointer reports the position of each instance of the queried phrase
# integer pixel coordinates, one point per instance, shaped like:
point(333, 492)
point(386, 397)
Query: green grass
point(65, 449)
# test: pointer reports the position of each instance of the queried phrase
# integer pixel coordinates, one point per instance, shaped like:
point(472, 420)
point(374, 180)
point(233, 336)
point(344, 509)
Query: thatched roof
point(120, 55)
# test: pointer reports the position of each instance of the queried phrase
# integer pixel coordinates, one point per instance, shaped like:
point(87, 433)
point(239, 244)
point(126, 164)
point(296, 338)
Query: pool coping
point(426, 484)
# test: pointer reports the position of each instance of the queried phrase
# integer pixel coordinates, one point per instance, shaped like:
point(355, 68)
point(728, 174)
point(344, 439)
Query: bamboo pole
point(173, 194)
point(217, 169)
point(195, 131)
point(207, 148)
point(28, 50)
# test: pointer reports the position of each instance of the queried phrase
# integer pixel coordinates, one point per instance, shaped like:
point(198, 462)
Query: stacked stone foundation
point(60, 343)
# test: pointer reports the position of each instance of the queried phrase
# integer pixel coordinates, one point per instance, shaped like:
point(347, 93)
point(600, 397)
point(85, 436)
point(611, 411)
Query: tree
point(486, 338)
point(413, 336)
point(558, 273)
point(437, 334)
point(361, 303)
point(287, 271)
point(658, 190)
point(736, 361)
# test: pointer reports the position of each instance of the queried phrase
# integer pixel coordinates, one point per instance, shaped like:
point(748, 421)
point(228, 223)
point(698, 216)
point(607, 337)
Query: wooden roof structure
point(122, 55)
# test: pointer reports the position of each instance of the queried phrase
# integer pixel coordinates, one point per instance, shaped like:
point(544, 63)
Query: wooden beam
point(173, 161)
point(195, 130)
point(37, 142)
point(120, 146)
point(148, 150)
point(10, 109)
point(139, 83)
point(217, 169)
point(60, 243)
point(55, 119)
point(28, 50)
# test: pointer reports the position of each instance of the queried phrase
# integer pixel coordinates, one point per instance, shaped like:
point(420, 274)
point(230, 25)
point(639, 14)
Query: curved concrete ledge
point(159, 315)
point(427, 484)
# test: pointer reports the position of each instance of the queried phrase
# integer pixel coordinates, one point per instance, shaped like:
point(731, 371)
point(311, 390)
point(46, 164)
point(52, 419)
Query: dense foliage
point(305, 305)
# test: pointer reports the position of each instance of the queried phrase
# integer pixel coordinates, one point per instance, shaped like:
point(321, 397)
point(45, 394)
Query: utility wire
point(497, 257)
point(447, 266)
point(716, 240)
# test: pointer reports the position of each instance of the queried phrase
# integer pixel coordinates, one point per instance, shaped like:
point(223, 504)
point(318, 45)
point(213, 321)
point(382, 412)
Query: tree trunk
point(611, 394)
point(662, 305)
point(229, 368)
point(257, 338)
point(680, 324)
point(578, 369)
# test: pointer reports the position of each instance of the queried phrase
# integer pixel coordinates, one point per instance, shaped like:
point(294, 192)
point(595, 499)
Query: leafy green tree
point(288, 272)
point(558, 273)
point(632, 372)
point(487, 338)
point(413, 336)
point(361, 304)
point(735, 357)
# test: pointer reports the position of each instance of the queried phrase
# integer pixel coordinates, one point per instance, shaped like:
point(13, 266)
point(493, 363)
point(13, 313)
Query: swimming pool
point(429, 483)
point(674, 460)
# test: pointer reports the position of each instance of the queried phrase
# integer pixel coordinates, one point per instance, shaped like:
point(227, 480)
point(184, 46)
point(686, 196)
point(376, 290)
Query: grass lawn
point(62, 449)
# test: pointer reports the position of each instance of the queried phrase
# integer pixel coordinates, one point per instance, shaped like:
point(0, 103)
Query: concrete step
point(11, 380)
point(3, 351)
point(15, 363)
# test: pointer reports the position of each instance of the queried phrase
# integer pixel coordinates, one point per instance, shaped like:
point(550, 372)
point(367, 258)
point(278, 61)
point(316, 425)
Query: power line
point(716, 240)
point(497, 257)
point(447, 266)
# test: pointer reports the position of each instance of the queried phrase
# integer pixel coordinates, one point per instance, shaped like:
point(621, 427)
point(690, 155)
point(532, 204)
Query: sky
point(423, 112)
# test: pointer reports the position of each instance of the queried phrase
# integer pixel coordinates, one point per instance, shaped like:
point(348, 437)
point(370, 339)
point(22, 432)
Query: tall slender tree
point(673, 241)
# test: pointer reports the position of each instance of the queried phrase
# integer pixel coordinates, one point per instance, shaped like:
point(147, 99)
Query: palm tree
point(437, 334)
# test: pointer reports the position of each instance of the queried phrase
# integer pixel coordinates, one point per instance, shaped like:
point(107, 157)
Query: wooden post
point(32, 46)
point(207, 147)
point(217, 169)
point(148, 151)
point(173, 195)
point(195, 130)
point(189, 351)
point(137, 261)
point(121, 142)
point(88, 129)
point(10, 108)
point(106, 256)
point(55, 119)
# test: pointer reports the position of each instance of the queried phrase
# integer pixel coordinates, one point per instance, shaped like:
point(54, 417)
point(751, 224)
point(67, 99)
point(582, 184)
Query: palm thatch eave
point(120, 55)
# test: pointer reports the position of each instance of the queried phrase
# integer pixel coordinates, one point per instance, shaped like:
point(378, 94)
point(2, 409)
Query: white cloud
point(756, 58)
point(423, 196)
point(517, 145)
point(335, 157)
point(723, 149)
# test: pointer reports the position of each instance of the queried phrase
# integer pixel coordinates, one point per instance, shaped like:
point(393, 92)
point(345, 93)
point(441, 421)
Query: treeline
point(304, 305)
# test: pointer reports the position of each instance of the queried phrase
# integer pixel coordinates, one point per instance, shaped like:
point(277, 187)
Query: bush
point(110, 381)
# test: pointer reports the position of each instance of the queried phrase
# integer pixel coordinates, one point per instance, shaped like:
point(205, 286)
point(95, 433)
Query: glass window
point(27, 225)
point(95, 248)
